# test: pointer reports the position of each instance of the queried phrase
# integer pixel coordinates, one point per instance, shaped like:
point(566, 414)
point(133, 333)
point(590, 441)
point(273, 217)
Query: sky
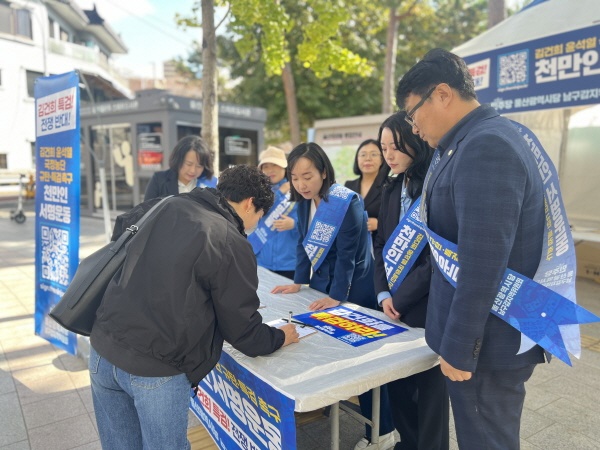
point(148, 29)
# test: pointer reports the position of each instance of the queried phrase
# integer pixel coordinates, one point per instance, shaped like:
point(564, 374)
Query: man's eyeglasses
point(411, 113)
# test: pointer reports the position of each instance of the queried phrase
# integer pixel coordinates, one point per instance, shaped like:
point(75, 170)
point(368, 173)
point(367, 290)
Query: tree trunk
point(389, 74)
point(210, 112)
point(290, 100)
point(496, 12)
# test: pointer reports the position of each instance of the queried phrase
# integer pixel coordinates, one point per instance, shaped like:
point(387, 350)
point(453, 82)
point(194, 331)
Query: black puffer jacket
point(188, 282)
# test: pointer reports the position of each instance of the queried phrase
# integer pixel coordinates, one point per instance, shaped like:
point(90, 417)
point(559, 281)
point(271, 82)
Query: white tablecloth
point(321, 370)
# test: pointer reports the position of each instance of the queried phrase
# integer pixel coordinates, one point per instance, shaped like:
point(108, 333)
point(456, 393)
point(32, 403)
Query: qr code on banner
point(353, 338)
point(513, 69)
point(55, 258)
point(322, 232)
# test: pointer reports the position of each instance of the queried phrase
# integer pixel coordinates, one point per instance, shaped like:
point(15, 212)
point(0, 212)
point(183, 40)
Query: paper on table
point(302, 331)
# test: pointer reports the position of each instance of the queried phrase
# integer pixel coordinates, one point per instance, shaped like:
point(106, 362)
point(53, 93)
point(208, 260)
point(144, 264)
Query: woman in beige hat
point(275, 238)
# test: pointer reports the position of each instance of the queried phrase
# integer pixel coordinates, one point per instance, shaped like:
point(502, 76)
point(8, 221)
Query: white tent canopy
point(541, 21)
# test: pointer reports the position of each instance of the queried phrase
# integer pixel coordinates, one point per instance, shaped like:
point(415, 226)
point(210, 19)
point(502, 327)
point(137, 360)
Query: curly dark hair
point(237, 183)
point(195, 143)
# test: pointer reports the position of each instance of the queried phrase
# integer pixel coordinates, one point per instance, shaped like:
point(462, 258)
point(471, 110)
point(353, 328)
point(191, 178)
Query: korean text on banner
point(56, 200)
point(240, 410)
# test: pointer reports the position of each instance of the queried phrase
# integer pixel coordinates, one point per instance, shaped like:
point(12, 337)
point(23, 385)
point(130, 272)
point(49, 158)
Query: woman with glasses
point(372, 171)
point(419, 403)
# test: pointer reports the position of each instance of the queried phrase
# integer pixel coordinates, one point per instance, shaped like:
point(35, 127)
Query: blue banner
point(542, 309)
point(403, 247)
point(240, 410)
point(349, 326)
point(57, 199)
point(559, 71)
point(326, 224)
point(265, 229)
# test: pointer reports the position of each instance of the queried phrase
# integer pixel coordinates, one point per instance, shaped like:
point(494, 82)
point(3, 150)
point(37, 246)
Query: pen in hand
point(302, 324)
point(290, 317)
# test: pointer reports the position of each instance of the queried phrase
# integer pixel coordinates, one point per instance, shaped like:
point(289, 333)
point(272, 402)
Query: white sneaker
point(385, 442)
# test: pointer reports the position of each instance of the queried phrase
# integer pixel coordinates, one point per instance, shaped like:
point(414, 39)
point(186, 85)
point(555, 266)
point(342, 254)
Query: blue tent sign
point(559, 71)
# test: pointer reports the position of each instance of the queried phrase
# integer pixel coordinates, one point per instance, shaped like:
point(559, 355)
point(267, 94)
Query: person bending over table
point(331, 218)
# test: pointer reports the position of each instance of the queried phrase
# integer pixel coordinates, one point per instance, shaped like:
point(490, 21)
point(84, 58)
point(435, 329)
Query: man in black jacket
point(189, 281)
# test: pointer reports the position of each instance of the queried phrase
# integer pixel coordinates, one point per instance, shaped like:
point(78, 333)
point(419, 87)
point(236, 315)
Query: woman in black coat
point(189, 161)
point(419, 403)
point(372, 170)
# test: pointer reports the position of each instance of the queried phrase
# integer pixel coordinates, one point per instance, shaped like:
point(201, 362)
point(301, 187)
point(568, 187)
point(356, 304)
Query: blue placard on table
point(56, 199)
point(352, 327)
point(240, 410)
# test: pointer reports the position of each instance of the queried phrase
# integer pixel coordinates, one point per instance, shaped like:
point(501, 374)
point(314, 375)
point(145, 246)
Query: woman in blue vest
point(332, 218)
point(190, 164)
point(419, 403)
point(278, 252)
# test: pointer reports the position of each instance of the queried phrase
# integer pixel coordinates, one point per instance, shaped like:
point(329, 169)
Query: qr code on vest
point(322, 232)
point(55, 259)
point(512, 69)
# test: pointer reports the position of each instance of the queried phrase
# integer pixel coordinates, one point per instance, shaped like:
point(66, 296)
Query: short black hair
point(238, 183)
point(195, 143)
point(355, 168)
point(404, 137)
point(318, 157)
point(437, 66)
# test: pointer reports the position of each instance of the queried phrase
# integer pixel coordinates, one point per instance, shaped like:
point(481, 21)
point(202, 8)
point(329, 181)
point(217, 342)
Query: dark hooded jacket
point(189, 281)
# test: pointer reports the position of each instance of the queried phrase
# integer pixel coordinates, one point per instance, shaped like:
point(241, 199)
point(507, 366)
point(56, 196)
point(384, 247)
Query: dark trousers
point(386, 424)
point(487, 408)
point(420, 410)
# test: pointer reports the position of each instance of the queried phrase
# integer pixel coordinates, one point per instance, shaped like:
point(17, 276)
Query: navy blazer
point(346, 274)
point(486, 195)
point(161, 184)
point(410, 299)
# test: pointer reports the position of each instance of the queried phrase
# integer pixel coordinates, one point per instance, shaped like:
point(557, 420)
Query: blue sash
point(204, 182)
point(542, 309)
point(265, 229)
point(403, 247)
point(326, 224)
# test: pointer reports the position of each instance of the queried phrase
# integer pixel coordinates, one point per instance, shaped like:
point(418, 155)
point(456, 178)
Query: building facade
point(39, 37)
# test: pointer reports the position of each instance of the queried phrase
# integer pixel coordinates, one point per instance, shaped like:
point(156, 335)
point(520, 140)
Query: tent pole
point(563, 142)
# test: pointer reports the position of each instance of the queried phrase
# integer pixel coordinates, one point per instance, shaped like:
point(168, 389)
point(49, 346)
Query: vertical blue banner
point(240, 410)
point(56, 199)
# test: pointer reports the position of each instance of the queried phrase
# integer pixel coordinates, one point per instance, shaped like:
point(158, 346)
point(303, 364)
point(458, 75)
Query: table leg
point(334, 418)
point(376, 416)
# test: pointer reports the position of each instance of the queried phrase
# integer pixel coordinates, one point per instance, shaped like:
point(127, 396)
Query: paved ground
point(45, 400)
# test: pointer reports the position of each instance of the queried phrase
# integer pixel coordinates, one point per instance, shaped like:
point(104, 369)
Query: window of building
point(23, 23)
point(50, 27)
point(64, 35)
point(31, 77)
point(3, 161)
point(15, 21)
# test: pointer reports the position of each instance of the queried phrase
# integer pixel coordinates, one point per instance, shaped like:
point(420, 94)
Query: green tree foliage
point(325, 90)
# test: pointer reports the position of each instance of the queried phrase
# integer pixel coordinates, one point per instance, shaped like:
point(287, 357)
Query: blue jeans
point(134, 412)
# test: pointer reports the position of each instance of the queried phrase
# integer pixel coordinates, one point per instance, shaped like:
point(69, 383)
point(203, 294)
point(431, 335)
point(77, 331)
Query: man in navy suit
point(486, 196)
